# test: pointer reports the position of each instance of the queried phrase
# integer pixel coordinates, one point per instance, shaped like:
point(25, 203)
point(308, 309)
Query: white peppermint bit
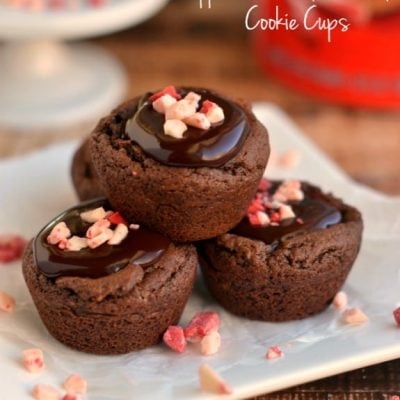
point(93, 216)
point(175, 128)
point(162, 104)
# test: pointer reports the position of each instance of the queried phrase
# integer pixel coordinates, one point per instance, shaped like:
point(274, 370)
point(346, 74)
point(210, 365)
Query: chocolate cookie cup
point(288, 258)
point(84, 177)
point(112, 290)
point(192, 186)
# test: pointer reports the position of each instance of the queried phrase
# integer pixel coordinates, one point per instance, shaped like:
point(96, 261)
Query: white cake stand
point(45, 83)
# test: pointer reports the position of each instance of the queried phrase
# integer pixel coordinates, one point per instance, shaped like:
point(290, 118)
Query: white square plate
point(35, 188)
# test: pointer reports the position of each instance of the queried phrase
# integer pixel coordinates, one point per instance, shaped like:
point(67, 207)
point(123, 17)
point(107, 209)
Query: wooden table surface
point(186, 45)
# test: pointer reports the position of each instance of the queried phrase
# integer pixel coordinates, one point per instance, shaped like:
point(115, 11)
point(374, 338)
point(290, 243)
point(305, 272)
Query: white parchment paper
point(35, 188)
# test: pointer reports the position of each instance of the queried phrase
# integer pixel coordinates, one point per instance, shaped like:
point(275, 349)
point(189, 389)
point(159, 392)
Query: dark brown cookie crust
point(84, 177)
point(118, 323)
point(297, 279)
point(186, 204)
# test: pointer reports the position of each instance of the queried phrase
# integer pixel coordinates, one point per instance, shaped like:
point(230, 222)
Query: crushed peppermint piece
point(180, 110)
point(263, 219)
point(210, 343)
point(193, 97)
point(59, 233)
point(75, 384)
point(162, 104)
point(98, 233)
point(175, 339)
point(290, 159)
point(270, 209)
point(175, 128)
point(7, 302)
point(274, 352)
point(340, 301)
point(101, 238)
point(198, 120)
point(216, 115)
point(396, 315)
point(93, 216)
point(202, 324)
point(45, 392)
point(134, 227)
point(181, 113)
point(354, 316)
point(120, 233)
point(98, 228)
point(213, 111)
point(11, 247)
point(116, 218)
point(289, 191)
point(32, 360)
point(170, 90)
point(211, 381)
point(286, 212)
point(76, 243)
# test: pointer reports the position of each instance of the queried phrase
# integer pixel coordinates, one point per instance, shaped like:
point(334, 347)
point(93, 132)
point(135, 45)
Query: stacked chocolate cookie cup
point(179, 171)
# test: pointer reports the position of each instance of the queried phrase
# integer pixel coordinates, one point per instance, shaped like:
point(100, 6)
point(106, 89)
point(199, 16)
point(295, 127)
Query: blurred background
point(183, 44)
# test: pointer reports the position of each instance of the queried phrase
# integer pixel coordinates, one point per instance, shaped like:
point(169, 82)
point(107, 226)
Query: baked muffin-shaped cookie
point(84, 177)
point(105, 287)
point(288, 257)
point(184, 162)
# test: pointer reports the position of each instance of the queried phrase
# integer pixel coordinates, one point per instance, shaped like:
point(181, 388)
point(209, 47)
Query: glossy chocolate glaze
point(141, 246)
point(198, 148)
point(314, 211)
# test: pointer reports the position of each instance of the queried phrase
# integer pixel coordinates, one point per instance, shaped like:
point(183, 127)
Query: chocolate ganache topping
point(312, 212)
point(211, 147)
point(141, 246)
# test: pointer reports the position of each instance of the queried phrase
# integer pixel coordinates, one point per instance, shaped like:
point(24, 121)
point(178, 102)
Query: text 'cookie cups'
point(105, 287)
point(189, 185)
point(285, 260)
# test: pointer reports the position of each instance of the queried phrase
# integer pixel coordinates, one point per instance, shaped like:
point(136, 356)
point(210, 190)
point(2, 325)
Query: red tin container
point(360, 66)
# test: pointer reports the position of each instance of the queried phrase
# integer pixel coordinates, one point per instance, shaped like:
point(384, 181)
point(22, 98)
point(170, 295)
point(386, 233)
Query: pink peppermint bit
point(198, 120)
point(98, 228)
point(354, 316)
point(202, 324)
point(11, 247)
point(211, 382)
point(274, 352)
point(101, 238)
point(174, 338)
point(213, 112)
point(45, 392)
point(396, 314)
point(264, 185)
point(59, 233)
point(291, 159)
point(340, 301)
point(170, 90)
point(32, 360)
point(75, 384)
point(7, 303)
